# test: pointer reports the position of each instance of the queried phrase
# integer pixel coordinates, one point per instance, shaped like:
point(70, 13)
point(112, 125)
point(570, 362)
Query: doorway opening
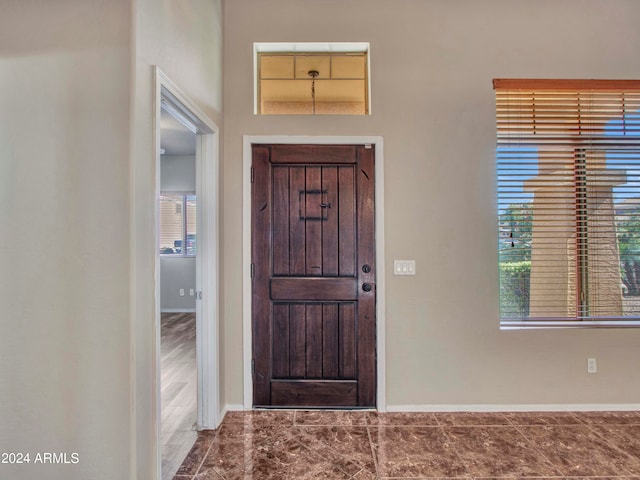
point(178, 257)
point(186, 280)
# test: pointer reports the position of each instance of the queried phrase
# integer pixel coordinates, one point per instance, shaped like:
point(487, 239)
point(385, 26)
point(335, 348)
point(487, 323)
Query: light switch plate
point(404, 267)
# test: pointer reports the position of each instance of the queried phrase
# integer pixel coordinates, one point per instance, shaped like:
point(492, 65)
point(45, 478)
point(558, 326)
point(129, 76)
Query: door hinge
point(253, 270)
point(253, 172)
point(199, 295)
point(253, 366)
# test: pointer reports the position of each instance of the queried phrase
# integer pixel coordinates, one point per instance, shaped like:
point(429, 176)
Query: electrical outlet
point(182, 292)
point(592, 365)
point(191, 292)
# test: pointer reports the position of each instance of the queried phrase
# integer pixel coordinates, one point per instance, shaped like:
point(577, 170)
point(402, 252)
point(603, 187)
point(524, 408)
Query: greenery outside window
point(177, 224)
point(568, 166)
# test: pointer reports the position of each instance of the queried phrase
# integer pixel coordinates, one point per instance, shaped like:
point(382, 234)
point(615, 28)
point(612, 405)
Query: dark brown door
point(314, 294)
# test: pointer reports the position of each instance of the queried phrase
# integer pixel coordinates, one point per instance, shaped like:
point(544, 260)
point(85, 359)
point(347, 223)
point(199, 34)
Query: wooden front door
point(313, 269)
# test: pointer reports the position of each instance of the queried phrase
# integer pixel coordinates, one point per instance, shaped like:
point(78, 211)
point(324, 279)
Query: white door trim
point(377, 143)
point(207, 214)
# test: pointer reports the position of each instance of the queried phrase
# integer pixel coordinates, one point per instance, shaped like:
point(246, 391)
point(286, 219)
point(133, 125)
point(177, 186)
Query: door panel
point(313, 298)
point(312, 289)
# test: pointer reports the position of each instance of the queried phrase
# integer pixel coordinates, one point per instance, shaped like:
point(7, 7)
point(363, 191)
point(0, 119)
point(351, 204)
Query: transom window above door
point(312, 79)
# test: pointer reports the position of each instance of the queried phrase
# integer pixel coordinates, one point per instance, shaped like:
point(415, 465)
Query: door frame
point(377, 143)
point(207, 266)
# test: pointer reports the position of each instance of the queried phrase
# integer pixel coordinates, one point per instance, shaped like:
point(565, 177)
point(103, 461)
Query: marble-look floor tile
point(288, 459)
point(261, 417)
point(330, 417)
point(498, 452)
point(579, 451)
point(542, 418)
point(415, 419)
point(608, 478)
point(196, 455)
point(365, 475)
point(287, 445)
point(415, 452)
point(609, 418)
point(349, 447)
point(520, 478)
point(210, 475)
point(252, 434)
point(624, 437)
point(471, 418)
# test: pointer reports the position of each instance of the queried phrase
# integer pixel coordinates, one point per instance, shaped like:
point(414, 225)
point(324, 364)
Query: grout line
point(373, 453)
point(614, 445)
point(455, 450)
point(204, 457)
point(532, 446)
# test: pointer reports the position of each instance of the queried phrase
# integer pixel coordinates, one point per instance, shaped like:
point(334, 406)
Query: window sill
point(633, 322)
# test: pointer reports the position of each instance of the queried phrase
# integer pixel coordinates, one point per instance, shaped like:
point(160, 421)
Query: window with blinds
point(177, 224)
point(568, 165)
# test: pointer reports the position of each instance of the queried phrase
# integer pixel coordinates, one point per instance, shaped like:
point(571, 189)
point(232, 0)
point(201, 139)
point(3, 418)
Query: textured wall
point(184, 39)
point(432, 62)
point(65, 70)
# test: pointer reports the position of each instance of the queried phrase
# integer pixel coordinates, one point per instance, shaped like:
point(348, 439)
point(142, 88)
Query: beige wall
point(77, 174)
point(64, 268)
point(432, 62)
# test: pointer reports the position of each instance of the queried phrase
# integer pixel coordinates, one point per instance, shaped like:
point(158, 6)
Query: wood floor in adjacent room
point(347, 445)
point(179, 389)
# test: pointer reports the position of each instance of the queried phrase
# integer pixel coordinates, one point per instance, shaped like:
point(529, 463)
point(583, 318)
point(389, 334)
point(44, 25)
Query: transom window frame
point(525, 130)
point(309, 48)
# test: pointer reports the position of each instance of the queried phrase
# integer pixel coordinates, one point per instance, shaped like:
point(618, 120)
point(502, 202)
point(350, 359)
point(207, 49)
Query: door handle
point(366, 287)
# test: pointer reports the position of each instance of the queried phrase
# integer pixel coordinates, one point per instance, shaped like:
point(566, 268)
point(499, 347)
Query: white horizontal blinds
point(171, 224)
point(568, 156)
point(190, 223)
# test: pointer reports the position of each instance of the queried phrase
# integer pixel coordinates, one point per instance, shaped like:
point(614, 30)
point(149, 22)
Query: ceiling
point(175, 138)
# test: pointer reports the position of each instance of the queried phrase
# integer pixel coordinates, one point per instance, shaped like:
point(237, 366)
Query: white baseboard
point(552, 407)
point(178, 310)
point(231, 407)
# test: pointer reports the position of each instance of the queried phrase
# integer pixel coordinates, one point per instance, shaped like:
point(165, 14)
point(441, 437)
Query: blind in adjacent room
point(568, 165)
point(171, 223)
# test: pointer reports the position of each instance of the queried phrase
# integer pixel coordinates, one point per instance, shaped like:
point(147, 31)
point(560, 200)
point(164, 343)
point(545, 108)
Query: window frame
point(617, 86)
point(185, 197)
point(309, 48)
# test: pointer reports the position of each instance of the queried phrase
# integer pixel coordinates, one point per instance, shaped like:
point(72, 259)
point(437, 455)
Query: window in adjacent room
point(568, 161)
point(312, 79)
point(177, 224)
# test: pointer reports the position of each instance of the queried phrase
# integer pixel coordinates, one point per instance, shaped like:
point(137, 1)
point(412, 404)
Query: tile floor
point(286, 445)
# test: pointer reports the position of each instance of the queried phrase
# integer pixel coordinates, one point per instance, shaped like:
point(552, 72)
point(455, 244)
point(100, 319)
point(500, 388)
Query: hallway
point(369, 445)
